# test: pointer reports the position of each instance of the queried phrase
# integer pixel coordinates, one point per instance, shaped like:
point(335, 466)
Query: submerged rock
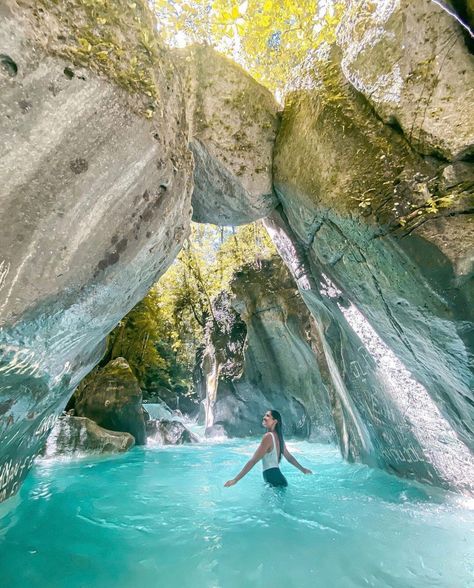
point(78, 435)
point(112, 398)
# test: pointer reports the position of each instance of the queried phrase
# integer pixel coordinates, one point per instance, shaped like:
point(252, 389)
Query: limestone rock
point(277, 368)
point(215, 432)
point(171, 432)
point(360, 204)
point(78, 435)
point(411, 62)
point(112, 398)
point(233, 123)
point(96, 182)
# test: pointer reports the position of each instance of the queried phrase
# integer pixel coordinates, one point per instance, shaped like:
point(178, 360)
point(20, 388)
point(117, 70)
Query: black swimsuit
point(274, 477)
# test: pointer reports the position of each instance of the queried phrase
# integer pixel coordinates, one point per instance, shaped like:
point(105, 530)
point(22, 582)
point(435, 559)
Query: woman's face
point(268, 421)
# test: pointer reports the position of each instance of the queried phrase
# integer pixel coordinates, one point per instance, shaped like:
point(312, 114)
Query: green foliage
point(268, 38)
point(160, 335)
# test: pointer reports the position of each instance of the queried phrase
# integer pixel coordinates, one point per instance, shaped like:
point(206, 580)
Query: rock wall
point(377, 214)
point(260, 348)
point(95, 201)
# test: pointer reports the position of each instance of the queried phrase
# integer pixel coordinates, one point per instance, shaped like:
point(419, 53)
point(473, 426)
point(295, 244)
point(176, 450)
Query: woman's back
point(270, 459)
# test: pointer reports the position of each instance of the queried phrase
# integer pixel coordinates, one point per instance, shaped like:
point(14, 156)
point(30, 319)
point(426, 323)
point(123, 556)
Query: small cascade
point(167, 427)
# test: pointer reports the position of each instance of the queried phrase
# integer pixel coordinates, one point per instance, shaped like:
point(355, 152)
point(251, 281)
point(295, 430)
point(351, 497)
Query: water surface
point(160, 517)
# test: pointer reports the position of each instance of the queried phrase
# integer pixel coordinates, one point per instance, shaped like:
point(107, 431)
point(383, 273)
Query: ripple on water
point(161, 517)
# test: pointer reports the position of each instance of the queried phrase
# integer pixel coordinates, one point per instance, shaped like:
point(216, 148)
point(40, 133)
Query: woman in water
point(270, 451)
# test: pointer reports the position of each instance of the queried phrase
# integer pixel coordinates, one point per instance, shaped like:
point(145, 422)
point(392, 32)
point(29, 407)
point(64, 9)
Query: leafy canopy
point(160, 335)
point(269, 38)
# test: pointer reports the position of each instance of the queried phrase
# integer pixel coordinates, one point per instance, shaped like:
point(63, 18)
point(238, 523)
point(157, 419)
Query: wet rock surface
point(79, 435)
point(95, 204)
point(112, 398)
point(373, 234)
point(170, 432)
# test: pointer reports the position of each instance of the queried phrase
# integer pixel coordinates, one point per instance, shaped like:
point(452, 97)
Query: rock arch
point(102, 171)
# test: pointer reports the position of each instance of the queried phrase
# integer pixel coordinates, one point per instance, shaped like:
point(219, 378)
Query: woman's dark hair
point(279, 431)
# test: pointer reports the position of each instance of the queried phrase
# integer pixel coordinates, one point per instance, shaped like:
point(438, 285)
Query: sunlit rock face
point(277, 368)
point(409, 59)
point(392, 231)
point(233, 123)
point(95, 203)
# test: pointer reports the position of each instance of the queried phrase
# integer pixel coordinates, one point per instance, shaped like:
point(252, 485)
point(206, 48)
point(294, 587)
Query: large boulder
point(96, 181)
point(112, 398)
point(233, 124)
point(413, 85)
point(79, 435)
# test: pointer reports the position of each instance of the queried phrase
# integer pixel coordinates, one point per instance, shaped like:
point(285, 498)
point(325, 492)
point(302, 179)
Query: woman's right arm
point(257, 456)
point(294, 462)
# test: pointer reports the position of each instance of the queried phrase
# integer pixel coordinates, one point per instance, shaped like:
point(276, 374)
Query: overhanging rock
point(233, 123)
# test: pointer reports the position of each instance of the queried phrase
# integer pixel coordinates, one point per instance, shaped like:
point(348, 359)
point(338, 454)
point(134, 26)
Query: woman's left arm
point(294, 462)
point(257, 456)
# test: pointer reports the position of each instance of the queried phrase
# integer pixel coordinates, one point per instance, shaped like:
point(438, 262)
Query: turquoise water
point(160, 517)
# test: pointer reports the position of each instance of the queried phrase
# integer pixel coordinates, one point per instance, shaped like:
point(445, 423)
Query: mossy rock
point(114, 38)
point(112, 398)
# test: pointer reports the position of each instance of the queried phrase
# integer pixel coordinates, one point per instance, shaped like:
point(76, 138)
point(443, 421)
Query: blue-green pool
point(160, 517)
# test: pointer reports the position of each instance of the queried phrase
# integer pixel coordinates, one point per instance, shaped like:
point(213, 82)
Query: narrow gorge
point(364, 179)
point(223, 223)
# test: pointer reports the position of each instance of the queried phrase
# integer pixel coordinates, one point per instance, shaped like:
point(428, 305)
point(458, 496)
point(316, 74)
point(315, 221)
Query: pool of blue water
point(160, 517)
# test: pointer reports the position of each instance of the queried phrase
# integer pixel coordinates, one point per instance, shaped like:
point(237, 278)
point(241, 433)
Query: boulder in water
point(73, 435)
point(214, 432)
point(170, 432)
point(113, 399)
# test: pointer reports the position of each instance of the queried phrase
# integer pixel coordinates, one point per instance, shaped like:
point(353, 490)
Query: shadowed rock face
point(273, 365)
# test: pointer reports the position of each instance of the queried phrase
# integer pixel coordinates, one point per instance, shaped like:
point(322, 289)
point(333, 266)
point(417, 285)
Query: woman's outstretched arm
point(294, 462)
point(257, 456)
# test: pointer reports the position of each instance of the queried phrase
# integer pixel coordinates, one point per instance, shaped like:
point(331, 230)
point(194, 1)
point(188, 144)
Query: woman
point(270, 451)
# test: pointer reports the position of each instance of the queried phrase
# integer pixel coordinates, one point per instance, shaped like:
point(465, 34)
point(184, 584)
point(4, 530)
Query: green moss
point(115, 38)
